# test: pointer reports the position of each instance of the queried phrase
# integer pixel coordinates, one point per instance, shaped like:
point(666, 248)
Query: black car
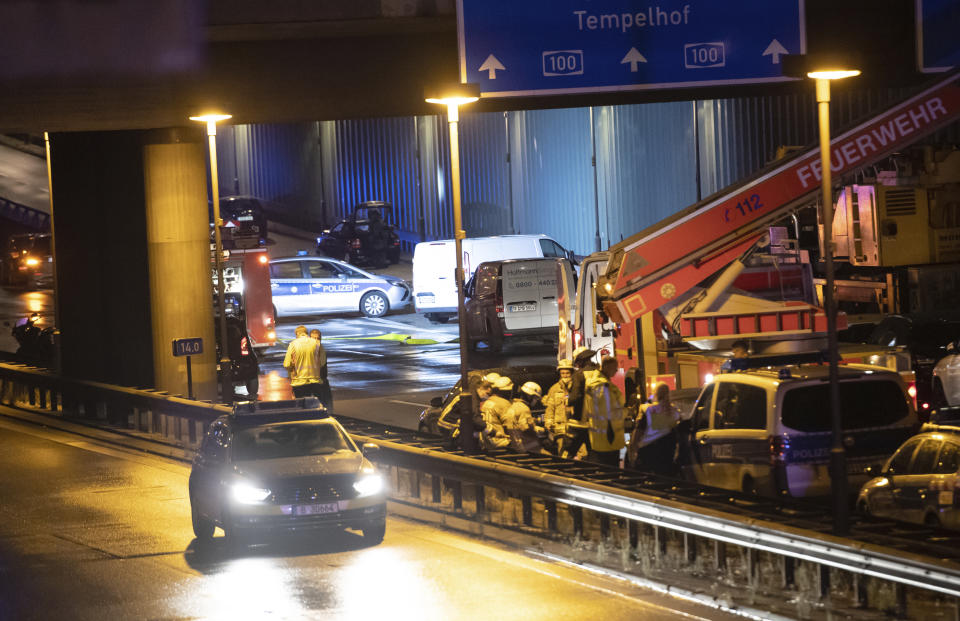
point(364, 237)
point(244, 222)
point(28, 261)
point(926, 338)
point(283, 466)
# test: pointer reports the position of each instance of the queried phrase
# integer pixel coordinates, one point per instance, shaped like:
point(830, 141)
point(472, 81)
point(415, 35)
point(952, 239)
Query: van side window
point(901, 461)
point(701, 411)
point(485, 281)
point(926, 457)
point(551, 248)
point(741, 406)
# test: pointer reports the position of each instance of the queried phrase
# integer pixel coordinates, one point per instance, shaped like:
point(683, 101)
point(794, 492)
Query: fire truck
point(246, 277)
point(669, 299)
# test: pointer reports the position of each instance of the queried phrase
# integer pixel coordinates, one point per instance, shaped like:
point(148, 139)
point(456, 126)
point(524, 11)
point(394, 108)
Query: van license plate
point(327, 507)
point(520, 308)
point(425, 299)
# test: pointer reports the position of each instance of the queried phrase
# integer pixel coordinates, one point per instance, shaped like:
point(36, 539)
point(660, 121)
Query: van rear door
point(522, 296)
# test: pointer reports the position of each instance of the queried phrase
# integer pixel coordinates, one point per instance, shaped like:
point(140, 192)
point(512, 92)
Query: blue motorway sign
point(545, 47)
point(938, 22)
point(188, 347)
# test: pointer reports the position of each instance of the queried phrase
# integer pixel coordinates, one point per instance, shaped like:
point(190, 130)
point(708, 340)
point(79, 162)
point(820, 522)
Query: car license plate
point(245, 219)
point(327, 507)
point(426, 299)
point(521, 308)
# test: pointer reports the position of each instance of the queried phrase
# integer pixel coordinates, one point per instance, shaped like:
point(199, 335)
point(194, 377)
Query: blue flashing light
point(301, 253)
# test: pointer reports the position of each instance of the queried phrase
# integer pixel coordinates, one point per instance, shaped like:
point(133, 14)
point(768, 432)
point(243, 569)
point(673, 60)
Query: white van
point(517, 298)
point(434, 263)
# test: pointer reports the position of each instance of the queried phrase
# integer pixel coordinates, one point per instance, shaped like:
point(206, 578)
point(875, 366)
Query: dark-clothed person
point(322, 390)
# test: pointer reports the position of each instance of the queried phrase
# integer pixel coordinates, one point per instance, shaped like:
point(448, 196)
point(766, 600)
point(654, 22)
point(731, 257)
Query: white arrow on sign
point(775, 50)
point(633, 57)
point(492, 65)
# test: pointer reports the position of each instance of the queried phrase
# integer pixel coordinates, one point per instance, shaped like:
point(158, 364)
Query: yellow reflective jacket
point(603, 409)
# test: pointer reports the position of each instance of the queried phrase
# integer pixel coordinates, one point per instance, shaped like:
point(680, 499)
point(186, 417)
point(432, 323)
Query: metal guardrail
point(791, 534)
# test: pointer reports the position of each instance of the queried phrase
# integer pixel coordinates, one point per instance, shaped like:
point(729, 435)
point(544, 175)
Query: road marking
point(419, 405)
point(408, 327)
point(365, 353)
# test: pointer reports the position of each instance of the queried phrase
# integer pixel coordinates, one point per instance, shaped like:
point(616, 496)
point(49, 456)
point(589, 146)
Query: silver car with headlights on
point(284, 466)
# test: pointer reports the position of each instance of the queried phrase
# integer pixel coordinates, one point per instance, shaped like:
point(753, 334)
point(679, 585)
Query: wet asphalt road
point(94, 532)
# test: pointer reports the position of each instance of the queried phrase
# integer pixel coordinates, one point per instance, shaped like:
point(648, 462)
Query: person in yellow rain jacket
point(603, 408)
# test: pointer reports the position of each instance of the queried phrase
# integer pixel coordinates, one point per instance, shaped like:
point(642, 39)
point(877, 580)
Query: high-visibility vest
point(603, 409)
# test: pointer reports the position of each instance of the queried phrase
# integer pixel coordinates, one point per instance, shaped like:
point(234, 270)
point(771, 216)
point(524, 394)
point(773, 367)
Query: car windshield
point(864, 405)
point(296, 439)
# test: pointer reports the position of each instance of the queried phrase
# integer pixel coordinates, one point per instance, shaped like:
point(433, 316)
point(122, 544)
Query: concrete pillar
point(178, 251)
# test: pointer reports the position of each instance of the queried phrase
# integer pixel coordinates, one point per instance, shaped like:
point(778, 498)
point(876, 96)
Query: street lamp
point(226, 384)
point(454, 96)
point(823, 69)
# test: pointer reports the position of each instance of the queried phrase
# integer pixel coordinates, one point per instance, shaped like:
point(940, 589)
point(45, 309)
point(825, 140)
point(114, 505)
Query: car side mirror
point(370, 448)
point(436, 402)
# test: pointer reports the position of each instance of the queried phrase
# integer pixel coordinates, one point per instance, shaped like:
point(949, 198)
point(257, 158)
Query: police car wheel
point(374, 304)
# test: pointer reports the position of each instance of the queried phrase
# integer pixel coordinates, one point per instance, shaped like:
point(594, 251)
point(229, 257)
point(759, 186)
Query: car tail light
point(355, 243)
point(912, 391)
point(779, 447)
point(244, 350)
point(396, 242)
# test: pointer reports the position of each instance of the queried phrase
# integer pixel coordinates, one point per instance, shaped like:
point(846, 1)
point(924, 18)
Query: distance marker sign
point(548, 47)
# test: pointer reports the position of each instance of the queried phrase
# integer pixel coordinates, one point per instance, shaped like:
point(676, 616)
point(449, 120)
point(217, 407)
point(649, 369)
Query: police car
point(306, 285)
point(275, 466)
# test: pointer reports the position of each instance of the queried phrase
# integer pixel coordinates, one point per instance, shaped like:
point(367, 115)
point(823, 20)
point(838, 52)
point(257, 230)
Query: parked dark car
point(364, 237)
point(244, 222)
point(283, 466)
point(926, 338)
point(919, 483)
point(28, 261)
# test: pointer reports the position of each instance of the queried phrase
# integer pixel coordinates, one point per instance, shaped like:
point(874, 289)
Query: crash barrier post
point(653, 537)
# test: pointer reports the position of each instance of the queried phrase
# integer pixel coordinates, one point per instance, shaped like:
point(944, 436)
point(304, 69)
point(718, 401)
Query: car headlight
point(368, 485)
point(249, 494)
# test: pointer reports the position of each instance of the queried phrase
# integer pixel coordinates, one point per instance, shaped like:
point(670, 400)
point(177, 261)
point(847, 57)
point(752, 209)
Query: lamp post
point(453, 97)
point(226, 385)
point(823, 69)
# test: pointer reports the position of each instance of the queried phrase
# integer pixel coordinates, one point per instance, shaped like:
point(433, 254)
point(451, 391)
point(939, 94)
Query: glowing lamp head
point(212, 117)
point(833, 74)
point(263, 259)
point(453, 94)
